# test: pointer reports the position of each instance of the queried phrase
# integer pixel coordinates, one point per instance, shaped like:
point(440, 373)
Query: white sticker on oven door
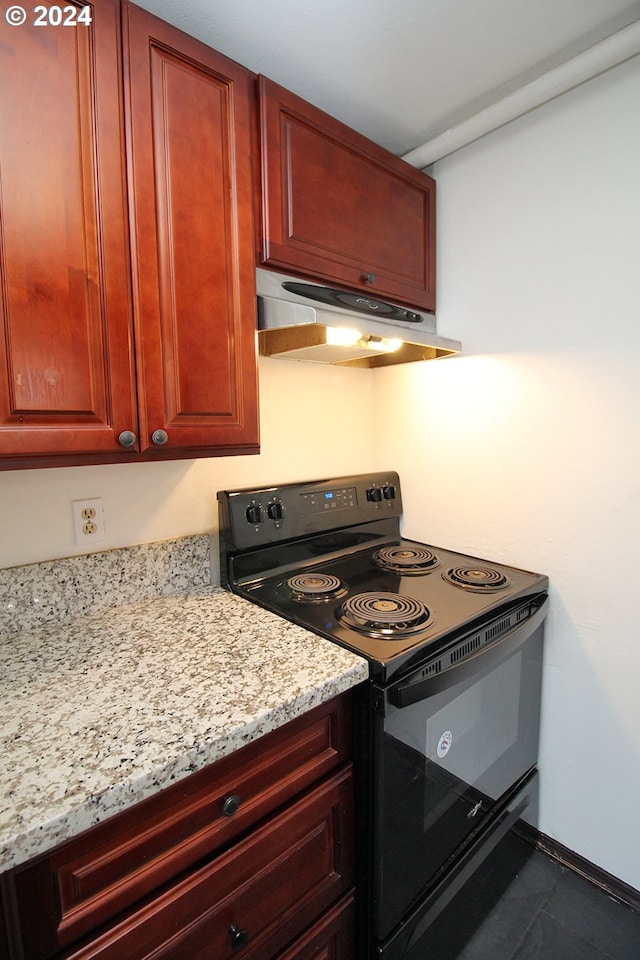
point(444, 744)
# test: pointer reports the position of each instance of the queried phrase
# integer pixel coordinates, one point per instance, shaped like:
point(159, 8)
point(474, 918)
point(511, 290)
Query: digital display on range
point(326, 500)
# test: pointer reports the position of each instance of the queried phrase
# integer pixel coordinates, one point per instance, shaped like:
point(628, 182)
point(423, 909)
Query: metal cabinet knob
point(127, 439)
point(230, 805)
point(369, 277)
point(159, 437)
point(238, 937)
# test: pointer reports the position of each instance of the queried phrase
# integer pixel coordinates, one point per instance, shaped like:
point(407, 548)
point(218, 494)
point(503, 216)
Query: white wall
point(315, 422)
point(527, 448)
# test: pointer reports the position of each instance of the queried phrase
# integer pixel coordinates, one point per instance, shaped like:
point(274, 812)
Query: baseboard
point(616, 888)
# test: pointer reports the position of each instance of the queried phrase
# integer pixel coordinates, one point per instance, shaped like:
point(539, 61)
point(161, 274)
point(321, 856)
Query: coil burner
point(477, 579)
point(384, 615)
point(312, 587)
point(406, 560)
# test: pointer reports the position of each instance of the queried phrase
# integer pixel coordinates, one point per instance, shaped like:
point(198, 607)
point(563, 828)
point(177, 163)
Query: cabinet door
point(340, 208)
point(189, 124)
point(65, 355)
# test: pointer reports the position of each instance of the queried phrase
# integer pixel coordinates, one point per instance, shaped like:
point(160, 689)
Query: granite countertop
point(101, 711)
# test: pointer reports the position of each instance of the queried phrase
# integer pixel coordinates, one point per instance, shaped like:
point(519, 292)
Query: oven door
point(450, 750)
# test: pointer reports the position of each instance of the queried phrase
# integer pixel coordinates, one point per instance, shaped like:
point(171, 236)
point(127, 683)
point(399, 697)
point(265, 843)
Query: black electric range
point(446, 727)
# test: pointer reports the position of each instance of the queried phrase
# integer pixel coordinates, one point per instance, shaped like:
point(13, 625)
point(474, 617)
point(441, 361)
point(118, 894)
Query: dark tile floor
point(547, 912)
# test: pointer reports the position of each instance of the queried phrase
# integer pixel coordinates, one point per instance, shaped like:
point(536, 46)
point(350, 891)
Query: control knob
point(374, 494)
point(275, 510)
point(389, 491)
point(254, 513)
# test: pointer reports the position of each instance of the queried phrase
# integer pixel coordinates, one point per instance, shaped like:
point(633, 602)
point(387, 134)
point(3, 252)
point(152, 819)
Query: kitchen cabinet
point(252, 857)
point(190, 142)
point(331, 938)
point(124, 338)
point(339, 208)
point(66, 383)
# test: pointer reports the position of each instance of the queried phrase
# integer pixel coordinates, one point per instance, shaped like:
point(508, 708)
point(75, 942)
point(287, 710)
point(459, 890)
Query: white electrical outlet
point(88, 520)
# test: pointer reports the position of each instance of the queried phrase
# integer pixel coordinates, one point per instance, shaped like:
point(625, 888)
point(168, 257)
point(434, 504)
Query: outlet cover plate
point(88, 521)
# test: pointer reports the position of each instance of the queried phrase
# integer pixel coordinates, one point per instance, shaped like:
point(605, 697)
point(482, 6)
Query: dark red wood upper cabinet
point(65, 338)
point(127, 262)
point(189, 127)
point(338, 207)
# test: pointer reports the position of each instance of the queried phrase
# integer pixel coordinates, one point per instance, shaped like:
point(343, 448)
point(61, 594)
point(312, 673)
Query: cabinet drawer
point(254, 899)
point(331, 938)
point(88, 881)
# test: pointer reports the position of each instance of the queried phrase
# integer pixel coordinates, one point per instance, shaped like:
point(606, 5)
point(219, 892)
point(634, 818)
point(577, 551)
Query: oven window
point(469, 733)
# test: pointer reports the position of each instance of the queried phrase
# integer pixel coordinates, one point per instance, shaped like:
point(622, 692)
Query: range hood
point(298, 320)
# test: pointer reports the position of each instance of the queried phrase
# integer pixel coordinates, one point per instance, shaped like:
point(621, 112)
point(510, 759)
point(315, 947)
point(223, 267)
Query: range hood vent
point(298, 320)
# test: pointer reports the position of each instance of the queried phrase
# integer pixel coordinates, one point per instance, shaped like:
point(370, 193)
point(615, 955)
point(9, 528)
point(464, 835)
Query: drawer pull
point(239, 938)
point(230, 805)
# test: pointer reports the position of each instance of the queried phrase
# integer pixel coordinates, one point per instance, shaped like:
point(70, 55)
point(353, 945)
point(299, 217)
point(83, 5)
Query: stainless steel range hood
point(298, 320)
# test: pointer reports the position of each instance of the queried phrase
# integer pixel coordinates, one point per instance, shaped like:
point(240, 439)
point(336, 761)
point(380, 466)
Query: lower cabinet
point(251, 858)
point(331, 938)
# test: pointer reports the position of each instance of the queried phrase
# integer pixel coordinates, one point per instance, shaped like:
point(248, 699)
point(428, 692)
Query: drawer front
point(331, 938)
point(254, 899)
point(89, 881)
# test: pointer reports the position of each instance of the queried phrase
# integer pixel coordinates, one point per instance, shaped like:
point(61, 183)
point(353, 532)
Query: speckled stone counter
point(99, 712)
point(38, 594)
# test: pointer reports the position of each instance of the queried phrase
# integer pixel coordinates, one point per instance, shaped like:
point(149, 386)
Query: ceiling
point(399, 71)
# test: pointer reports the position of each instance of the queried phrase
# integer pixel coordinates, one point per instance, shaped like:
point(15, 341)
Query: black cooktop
point(329, 556)
point(385, 615)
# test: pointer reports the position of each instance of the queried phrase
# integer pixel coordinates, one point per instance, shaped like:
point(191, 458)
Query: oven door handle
point(412, 691)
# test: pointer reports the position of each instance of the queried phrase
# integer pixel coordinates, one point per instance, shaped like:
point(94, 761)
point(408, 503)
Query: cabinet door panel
point(190, 126)
point(331, 938)
point(340, 208)
point(65, 361)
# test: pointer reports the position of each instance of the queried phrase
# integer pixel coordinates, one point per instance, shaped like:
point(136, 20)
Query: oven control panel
point(341, 498)
point(255, 517)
